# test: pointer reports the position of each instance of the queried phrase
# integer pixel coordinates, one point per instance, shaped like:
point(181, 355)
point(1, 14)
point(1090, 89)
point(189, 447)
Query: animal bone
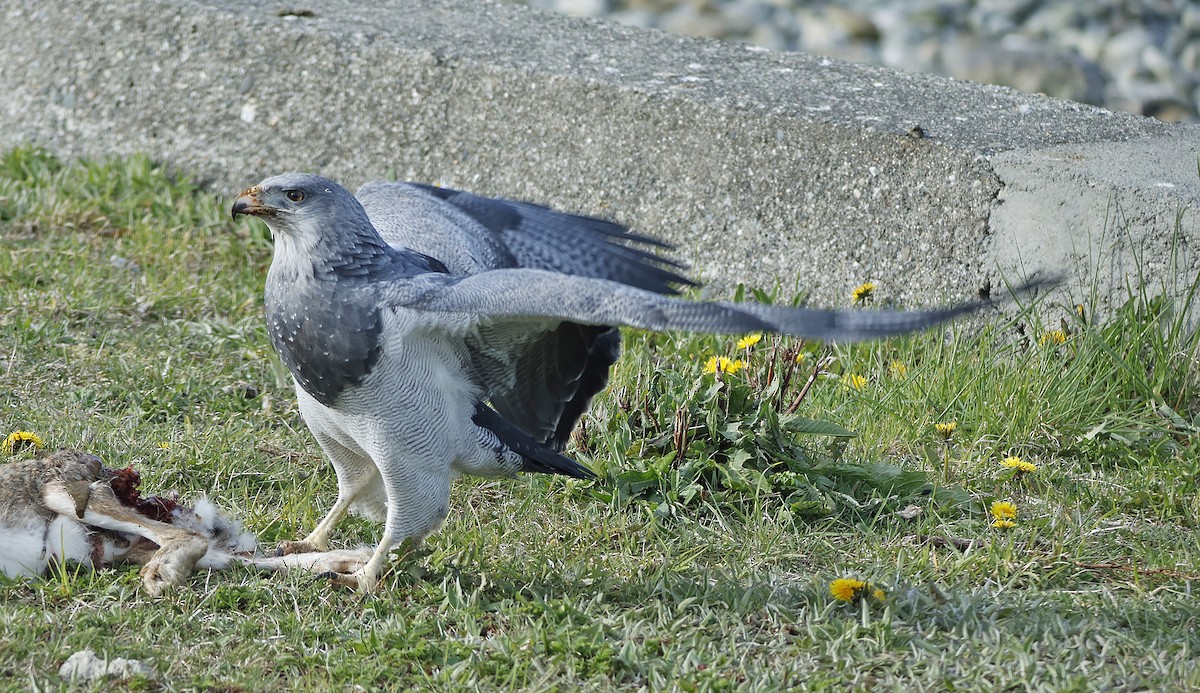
point(69, 507)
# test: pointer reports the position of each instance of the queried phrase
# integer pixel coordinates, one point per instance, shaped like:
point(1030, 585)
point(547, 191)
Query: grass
point(130, 315)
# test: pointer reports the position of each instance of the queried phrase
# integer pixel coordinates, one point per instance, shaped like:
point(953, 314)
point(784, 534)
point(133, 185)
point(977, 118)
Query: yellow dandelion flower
point(19, 440)
point(846, 589)
point(946, 429)
point(724, 365)
point(855, 381)
point(164, 445)
point(897, 369)
point(1004, 524)
point(1054, 337)
point(749, 341)
point(1004, 510)
point(1019, 464)
point(863, 292)
point(878, 594)
point(801, 356)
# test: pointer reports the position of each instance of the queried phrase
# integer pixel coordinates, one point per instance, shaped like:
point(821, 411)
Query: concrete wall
point(758, 165)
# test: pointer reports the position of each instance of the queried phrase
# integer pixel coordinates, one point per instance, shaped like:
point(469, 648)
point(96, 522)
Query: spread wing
point(541, 376)
point(541, 381)
point(525, 299)
point(472, 234)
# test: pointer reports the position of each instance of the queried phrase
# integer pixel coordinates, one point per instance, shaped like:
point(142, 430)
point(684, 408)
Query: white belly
point(29, 550)
point(409, 418)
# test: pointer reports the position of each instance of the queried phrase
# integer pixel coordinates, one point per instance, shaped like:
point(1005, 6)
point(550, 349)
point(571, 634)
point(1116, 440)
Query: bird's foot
point(321, 563)
point(359, 580)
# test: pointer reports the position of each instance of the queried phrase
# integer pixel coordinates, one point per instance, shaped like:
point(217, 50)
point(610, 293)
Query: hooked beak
point(247, 203)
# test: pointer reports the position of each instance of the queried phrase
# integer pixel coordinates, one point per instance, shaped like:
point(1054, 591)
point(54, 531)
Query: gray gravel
point(1139, 56)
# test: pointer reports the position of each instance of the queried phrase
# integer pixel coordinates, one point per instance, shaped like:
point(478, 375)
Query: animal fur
point(69, 507)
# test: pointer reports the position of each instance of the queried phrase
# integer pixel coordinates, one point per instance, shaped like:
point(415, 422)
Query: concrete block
point(761, 167)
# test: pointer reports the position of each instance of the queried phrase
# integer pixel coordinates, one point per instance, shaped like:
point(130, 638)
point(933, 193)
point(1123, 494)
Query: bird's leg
point(318, 539)
point(356, 475)
point(366, 578)
point(331, 563)
point(417, 505)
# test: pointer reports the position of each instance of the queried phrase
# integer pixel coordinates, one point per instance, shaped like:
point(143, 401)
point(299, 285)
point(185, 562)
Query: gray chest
point(329, 341)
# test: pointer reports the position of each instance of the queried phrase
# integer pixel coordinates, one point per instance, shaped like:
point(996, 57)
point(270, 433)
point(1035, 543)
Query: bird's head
point(300, 206)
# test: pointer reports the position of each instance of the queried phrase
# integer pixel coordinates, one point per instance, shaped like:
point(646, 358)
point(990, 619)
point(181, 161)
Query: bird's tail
point(537, 457)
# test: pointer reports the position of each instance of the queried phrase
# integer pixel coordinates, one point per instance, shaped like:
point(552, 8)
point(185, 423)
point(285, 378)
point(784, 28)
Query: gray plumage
point(322, 330)
point(472, 234)
point(554, 374)
point(404, 316)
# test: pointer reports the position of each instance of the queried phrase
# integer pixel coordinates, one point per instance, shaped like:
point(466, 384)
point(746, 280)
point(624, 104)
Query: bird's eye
point(295, 196)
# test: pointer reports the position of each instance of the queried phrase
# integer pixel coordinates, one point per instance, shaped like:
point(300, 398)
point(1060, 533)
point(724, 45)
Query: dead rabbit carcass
point(69, 507)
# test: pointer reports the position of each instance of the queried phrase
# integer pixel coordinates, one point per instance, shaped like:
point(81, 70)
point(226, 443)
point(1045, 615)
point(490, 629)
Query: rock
point(831, 29)
point(1026, 65)
point(638, 18)
point(1170, 110)
point(690, 20)
point(581, 8)
point(124, 264)
point(1158, 63)
point(1052, 18)
point(1088, 42)
point(1190, 20)
point(999, 17)
point(772, 38)
point(1122, 54)
point(1094, 52)
point(85, 667)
